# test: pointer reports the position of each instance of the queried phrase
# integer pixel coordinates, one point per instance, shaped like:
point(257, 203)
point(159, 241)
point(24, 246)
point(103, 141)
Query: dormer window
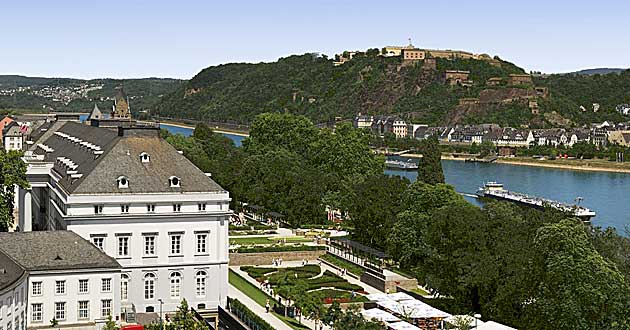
point(123, 182)
point(144, 157)
point(174, 181)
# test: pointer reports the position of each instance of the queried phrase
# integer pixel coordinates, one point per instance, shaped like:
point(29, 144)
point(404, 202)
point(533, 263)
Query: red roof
point(3, 123)
point(132, 327)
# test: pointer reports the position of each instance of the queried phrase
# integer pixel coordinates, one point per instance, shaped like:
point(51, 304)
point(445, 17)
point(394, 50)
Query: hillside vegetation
point(311, 85)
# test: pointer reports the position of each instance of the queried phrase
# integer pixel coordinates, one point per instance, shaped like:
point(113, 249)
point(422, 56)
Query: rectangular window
point(60, 311)
point(177, 207)
point(99, 242)
point(60, 287)
point(98, 209)
point(149, 245)
point(124, 208)
point(106, 307)
point(83, 286)
point(37, 288)
point(106, 285)
point(201, 206)
point(176, 243)
point(84, 310)
point(202, 240)
point(123, 246)
point(36, 312)
point(150, 208)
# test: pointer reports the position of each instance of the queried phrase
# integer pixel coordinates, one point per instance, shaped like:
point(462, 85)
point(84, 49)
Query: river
point(603, 192)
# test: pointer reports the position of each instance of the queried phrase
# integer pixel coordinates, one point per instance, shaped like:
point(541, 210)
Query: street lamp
point(477, 316)
point(161, 319)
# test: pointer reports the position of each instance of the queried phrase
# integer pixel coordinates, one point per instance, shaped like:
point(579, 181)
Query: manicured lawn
point(350, 267)
point(260, 298)
point(421, 292)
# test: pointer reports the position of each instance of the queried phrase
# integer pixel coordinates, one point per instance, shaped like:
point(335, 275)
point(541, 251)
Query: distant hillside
point(589, 72)
point(311, 85)
point(66, 94)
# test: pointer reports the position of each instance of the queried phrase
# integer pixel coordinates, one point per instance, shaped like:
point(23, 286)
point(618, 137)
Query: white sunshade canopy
point(413, 309)
point(491, 325)
point(399, 296)
point(378, 297)
point(402, 326)
point(379, 314)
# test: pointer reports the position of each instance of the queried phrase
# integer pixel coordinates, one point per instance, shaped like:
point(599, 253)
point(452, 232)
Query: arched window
point(149, 286)
point(123, 182)
point(174, 181)
point(124, 287)
point(200, 279)
point(176, 282)
point(144, 157)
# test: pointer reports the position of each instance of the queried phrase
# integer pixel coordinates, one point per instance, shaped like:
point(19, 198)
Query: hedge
point(247, 316)
point(285, 248)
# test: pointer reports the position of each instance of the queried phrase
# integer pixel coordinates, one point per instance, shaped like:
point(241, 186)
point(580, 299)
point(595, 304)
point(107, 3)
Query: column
point(27, 223)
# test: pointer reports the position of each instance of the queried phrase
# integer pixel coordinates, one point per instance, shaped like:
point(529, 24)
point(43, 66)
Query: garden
point(309, 281)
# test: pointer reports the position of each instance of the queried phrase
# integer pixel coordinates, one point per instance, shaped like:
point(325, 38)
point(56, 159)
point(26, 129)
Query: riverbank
point(214, 129)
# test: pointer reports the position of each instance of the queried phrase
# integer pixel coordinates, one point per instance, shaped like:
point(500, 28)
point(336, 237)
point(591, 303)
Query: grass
point(267, 240)
point(260, 298)
point(421, 292)
point(350, 267)
point(401, 272)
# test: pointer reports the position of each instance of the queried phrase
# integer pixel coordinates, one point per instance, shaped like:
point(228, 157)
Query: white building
point(13, 136)
point(57, 275)
point(139, 200)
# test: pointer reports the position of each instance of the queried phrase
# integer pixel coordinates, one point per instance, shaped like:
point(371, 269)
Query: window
point(60, 287)
point(84, 309)
point(99, 242)
point(37, 312)
point(177, 207)
point(201, 206)
point(60, 311)
point(176, 243)
point(124, 208)
point(37, 288)
point(83, 286)
point(124, 287)
point(176, 280)
point(106, 285)
point(144, 157)
point(174, 181)
point(123, 182)
point(150, 208)
point(202, 240)
point(123, 246)
point(149, 286)
point(106, 307)
point(9, 306)
point(98, 209)
point(200, 279)
point(9, 326)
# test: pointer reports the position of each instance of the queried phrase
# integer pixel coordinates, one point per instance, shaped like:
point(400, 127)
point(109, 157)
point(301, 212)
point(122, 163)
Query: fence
point(246, 316)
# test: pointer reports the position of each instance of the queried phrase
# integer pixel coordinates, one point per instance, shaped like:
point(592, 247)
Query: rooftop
point(53, 250)
point(10, 271)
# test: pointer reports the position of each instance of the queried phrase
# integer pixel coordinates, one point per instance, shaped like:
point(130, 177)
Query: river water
point(602, 192)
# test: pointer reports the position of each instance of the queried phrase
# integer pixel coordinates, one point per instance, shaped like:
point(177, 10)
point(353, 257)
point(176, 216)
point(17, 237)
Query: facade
point(392, 124)
point(121, 105)
point(621, 138)
point(455, 77)
point(13, 135)
point(494, 81)
point(140, 201)
point(413, 54)
point(363, 121)
point(13, 294)
point(64, 278)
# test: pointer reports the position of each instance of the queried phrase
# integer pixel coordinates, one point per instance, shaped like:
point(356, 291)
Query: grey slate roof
point(121, 157)
point(10, 271)
point(54, 250)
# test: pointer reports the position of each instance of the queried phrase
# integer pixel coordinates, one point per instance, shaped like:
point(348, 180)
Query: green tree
point(430, 165)
point(110, 324)
point(12, 174)
point(184, 318)
point(487, 148)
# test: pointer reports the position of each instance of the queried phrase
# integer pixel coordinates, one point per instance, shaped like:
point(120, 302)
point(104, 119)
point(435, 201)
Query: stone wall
point(384, 285)
point(266, 258)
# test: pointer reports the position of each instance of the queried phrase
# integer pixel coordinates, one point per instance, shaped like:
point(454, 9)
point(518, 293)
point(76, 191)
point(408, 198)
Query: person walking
point(267, 306)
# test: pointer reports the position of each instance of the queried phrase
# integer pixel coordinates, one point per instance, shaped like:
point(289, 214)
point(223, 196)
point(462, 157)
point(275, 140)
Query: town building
point(457, 77)
point(120, 109)
point(363, 121)
point(121, 186)
point(58, 275)
point(621, 138)
point(13, 135)
point(623, 109)
point(392, 124)
point(13, 294)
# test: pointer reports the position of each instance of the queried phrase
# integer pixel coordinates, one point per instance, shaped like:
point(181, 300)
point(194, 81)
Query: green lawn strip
point(267, 240)
point(350, 267)
point(259, 297)
point(401, 272)
point(421, 291)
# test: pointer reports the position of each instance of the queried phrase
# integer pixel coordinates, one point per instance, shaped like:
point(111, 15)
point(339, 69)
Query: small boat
point(409, 165)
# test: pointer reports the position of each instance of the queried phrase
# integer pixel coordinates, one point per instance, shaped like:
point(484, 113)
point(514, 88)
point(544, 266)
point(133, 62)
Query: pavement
point(275, 322)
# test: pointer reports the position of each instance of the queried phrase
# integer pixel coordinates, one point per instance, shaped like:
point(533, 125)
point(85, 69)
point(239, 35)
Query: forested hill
point(311, 85)
point(67, 94)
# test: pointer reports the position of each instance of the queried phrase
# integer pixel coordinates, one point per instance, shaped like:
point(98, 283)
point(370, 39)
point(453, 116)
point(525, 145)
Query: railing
point(200, 318)
point(246, 316)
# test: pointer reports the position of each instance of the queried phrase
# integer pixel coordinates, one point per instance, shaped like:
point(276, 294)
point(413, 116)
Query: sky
point(178, 38)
